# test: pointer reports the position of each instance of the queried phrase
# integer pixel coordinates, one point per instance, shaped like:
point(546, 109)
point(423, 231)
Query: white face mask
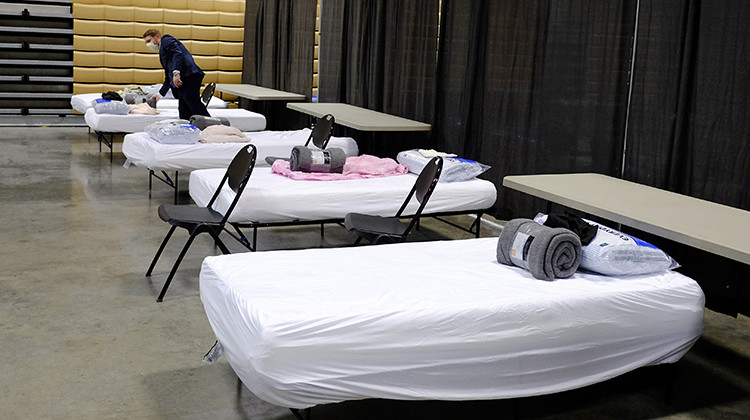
point(151, 46)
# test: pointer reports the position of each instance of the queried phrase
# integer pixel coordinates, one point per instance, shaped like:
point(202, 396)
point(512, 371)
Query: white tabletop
point(705, 225)
point(359, 118)
point(258, 93)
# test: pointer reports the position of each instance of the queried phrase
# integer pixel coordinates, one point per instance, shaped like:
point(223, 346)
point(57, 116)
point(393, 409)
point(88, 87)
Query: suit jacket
point(174, 56)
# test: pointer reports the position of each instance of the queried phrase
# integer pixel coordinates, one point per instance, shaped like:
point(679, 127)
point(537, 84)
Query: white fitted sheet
point(141, 150)
point(435, 320)
point(270, 197)
point(243, 119)
point(82, 102)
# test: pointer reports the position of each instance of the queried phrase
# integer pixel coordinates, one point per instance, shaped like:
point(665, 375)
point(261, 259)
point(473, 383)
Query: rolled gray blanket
point(548, 253)
point(330, 160)
point(202, 122)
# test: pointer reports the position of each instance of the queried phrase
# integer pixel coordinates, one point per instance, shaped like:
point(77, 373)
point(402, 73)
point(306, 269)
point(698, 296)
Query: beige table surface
point(359, 118)
point(702, 224)
point(258, 93)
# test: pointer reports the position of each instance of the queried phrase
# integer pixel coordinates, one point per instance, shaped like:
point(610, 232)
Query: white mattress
point(82, 102)
point(243, 119)
point(270, 197)
point(140, 149)
point(435, 320)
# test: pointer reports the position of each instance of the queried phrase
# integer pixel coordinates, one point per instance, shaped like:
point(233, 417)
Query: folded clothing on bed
point(305, 159)
point(222, 134)
point(202, 121)
point(548, 253)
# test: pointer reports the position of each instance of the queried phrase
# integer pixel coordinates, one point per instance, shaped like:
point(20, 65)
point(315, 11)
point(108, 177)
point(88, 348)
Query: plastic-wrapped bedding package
point(174, 132)
point(614, 253)
point(454, 169)
point(105, 106)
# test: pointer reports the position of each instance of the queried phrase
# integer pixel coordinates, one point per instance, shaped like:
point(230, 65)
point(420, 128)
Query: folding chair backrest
point(321, 132)
point(423, 187)
point(208, 93)
point(237, 175)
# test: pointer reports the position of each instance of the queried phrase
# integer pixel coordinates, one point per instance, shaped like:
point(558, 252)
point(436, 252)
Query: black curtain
point(689, 129)
point(380, 55)
point(279, 44)
point(535, 89)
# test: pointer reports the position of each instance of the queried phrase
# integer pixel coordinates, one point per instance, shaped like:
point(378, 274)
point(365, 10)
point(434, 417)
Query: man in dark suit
point(181, 73)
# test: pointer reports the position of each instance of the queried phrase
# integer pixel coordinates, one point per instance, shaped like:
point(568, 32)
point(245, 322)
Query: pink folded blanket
point(356, 167)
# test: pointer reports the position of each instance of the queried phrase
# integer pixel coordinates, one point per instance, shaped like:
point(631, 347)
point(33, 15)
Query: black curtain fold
point(279, 44)
point(380, 55)
point(690, 131)
point(534, 89)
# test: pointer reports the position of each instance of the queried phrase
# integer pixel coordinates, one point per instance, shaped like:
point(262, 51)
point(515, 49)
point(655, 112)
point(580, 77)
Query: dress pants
point(189, 97)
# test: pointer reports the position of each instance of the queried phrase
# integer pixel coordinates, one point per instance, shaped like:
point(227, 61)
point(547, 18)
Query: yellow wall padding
point(205, 48)
point(146, 61)
point(230, 77)
point(211, 76)
point(88, 27)
point(174, 4)
point(124, 60)
point(148, 14)
point(229, 6)
point(88, 74)
point(230, 63)
point(205, 18)
point(148, 77)
point(206, 33)
point(115, 44)
point(232, 19)
point(207, 62)
point(124, 29)
point(79, 88)
point(139, 28)
point(232, 49)
point(88, 43)
point(179, 31)
point(88, 58)
point(182, 17)
point(231, 34)
point(123, 14)
point(117, 75)
point(88, 11)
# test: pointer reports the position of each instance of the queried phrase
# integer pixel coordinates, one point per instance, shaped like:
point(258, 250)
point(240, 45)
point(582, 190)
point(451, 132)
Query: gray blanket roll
point(202, 122)
point(330, 160)
point(548, 253)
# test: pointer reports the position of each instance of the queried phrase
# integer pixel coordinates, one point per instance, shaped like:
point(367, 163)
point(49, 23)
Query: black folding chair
point(208, 93)
point(382, 230)
point(321, 133)
point(197, 220)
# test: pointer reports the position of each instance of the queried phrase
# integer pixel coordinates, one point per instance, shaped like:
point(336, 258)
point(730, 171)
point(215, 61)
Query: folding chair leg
point(174, 268)
point(161, 248)
point(220, 243)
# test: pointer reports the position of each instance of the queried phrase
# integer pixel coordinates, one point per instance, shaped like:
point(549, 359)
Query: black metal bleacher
point(36, 57)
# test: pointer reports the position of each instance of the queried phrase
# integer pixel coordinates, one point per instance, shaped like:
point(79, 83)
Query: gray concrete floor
point(83, 338)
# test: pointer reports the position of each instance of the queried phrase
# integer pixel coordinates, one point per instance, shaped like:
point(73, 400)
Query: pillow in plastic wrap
point(174, 132)
point(105, 106)
point(614, 253)
point(454, 169)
